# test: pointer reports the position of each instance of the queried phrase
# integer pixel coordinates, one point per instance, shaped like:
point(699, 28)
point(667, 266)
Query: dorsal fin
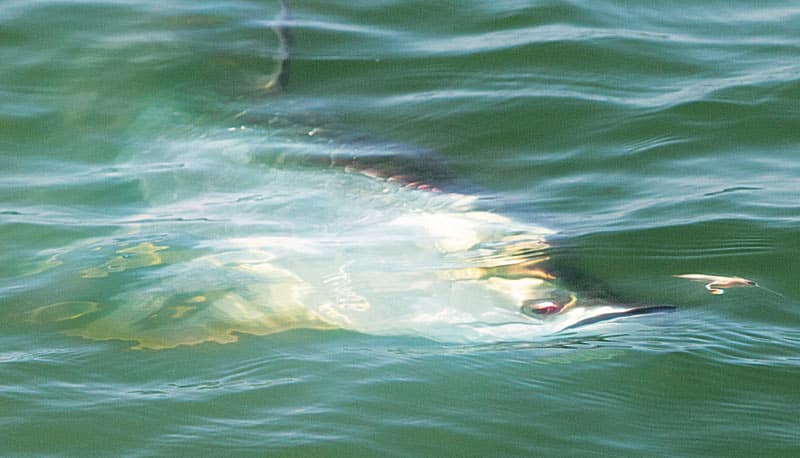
point(280, 79)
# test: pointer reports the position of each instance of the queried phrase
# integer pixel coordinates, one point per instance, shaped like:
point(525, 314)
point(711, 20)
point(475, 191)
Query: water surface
point(156, 199)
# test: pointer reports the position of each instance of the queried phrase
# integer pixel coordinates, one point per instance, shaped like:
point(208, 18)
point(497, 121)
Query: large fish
point(270, 226)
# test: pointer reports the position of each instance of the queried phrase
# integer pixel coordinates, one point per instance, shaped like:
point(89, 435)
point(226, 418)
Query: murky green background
point(656, 139)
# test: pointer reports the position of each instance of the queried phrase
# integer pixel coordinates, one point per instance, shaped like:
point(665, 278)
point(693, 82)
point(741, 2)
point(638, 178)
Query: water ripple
point(149, 182)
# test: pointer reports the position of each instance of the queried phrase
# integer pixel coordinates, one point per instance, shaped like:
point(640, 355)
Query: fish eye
point(540, 307)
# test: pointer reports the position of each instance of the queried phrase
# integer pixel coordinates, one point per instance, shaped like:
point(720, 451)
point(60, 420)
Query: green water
point(182, 273)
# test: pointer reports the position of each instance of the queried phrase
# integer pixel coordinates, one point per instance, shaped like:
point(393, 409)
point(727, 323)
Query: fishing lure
point(718, 284)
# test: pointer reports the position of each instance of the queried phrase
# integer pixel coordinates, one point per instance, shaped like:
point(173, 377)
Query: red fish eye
point(544, 307)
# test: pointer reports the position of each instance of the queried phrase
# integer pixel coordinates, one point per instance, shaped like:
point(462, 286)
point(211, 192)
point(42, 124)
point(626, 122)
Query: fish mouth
point(612, 315)
point(562, 307)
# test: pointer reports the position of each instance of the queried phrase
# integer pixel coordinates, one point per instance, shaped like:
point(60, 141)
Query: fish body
point(271, 226)
point(322, 248)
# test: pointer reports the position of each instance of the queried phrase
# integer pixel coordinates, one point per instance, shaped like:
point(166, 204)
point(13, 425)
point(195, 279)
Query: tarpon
point(294, 236)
